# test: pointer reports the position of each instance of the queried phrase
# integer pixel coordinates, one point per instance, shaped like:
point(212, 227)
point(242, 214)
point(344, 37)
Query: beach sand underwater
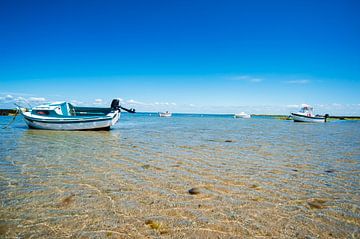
point(187, 176)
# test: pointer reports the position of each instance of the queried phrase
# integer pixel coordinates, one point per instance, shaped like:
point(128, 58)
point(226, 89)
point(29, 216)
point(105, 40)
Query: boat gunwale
point(70, 119)
point(309, 117)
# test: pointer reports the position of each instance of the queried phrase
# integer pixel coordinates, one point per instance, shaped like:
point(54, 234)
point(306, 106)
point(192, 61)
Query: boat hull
point(309, 119)
point(75, 123)
point(165, 114)
point(242, 116)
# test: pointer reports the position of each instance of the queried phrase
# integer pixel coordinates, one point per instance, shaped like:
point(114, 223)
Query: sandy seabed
point(134, 182)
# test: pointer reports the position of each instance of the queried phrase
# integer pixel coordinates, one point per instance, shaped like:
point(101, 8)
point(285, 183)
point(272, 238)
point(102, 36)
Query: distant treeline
point(345, 117)
point(280, 117)
point(6, 112)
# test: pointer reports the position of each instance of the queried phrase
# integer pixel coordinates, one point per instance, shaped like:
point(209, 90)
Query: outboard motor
point(326, 117)
point(115, 104)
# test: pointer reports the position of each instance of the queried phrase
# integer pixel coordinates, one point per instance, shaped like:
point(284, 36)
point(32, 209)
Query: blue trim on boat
point(67, 121)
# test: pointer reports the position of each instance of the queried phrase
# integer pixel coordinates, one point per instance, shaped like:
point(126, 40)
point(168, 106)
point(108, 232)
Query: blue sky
point(184, 56)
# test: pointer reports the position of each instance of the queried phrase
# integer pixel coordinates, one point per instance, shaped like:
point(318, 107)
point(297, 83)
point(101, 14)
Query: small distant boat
point(306, 115)
point(165, 114)
point(65, 116)
point(242, 115)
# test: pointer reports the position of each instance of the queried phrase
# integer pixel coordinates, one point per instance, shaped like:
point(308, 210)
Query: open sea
point(251, 178)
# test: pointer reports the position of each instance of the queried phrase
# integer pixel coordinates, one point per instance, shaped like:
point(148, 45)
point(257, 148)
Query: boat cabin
point(64, 109)
point(55, 109)
point(306, 110)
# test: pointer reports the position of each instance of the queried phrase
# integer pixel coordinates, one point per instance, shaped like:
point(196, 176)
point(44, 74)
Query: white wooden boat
point(165, 114)
point(242, 115)
point(65, 116)
point(306, 115)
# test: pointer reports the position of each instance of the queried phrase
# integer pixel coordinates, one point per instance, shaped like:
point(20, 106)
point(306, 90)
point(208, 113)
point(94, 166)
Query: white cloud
point(98, 102)
point(134, 102)
point(292, 106)
point(76, 102)
point(20, 98)
point(15, 93)
point(336, 105)
point(247, 78)
point(297, 82)
point(244, 77)
point(6, 98)
point(37, 99)
point(9, 97)
point(163, 103)
point(150, 104)
point(9, 100)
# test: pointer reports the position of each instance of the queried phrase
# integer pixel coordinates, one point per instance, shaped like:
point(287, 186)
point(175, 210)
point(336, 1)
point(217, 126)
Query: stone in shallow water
point(67, 201)
point(194, 191)
point(152, 224)
point(330, 171)
point(146, 166)
point(316, 203)
point(254, 186)
point(3, 229)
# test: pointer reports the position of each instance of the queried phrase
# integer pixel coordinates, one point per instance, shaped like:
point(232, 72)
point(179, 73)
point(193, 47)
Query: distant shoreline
point(286, 117)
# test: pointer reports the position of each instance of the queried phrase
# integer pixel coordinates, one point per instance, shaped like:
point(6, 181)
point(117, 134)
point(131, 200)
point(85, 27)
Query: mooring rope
point(13, 119)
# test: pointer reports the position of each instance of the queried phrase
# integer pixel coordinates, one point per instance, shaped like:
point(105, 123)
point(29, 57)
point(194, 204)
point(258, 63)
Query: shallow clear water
point(258, 177)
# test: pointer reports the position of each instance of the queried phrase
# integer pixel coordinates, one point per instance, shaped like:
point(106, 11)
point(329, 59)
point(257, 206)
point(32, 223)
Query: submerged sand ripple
point(253, 180)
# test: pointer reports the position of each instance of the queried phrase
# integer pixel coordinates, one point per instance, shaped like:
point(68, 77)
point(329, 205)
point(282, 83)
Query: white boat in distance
point(242, 115)
point(65, 116)
point(165, 114)
point(306, 115)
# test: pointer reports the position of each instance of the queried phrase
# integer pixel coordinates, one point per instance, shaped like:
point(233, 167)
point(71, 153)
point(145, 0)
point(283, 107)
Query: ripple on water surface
point(180, 177)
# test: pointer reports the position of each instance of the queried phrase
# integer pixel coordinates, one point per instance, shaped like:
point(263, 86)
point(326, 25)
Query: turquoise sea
point(253, 178)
